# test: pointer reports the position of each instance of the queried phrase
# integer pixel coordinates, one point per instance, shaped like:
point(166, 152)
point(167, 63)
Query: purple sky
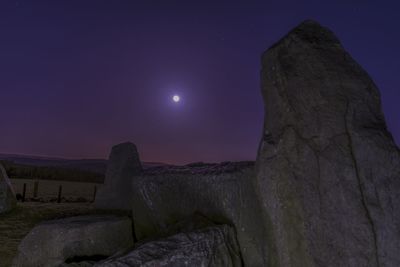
point(78, 76)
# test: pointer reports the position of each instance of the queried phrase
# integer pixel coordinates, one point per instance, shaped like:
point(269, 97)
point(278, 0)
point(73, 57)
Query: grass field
point(17, 223)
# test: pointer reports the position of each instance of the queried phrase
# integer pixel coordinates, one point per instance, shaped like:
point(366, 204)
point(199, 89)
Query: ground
point(17, 223)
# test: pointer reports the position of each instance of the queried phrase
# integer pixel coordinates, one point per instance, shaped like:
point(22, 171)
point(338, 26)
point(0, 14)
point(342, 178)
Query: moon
point(176, 98)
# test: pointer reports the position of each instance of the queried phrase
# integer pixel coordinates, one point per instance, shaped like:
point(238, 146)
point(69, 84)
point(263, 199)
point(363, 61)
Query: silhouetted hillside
point(22, 171)
point(80, 170)
point(90, 165)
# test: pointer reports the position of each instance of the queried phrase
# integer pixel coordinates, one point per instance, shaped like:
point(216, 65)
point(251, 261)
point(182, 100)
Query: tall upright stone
point(7, 195)
point(123, 165)
point(328, 170)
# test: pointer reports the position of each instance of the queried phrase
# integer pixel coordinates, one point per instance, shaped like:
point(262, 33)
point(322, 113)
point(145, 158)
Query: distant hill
point(91, 165)
point(84, 170)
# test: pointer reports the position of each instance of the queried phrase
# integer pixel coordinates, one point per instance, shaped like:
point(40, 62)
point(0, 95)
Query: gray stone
point(123, 165)
point(7, 195)
point(214, 246)
point(53, 243)
point(328, 170)
point(221, 192)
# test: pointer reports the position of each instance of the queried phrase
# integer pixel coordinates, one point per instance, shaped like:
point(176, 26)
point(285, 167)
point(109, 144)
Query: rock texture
point(214, 246)
point(328, 170)
point(123, 165)
point(7, 195)
point(221, 192)
point(56, 242)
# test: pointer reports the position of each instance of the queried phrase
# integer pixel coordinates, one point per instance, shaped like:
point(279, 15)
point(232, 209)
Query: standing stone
point(328, 170)
point(7, 195)
point(123, 165)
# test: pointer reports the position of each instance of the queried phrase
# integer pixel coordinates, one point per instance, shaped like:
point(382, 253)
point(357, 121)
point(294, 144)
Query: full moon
point(176, 98)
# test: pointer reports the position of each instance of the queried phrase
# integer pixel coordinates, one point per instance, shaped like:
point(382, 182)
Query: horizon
point(81, 77)
point(50, 158)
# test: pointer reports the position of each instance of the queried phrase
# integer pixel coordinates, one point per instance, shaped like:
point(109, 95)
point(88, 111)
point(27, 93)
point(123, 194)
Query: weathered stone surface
point(221, 192)
point(213, 246)
point(56, 242)
point(123, 165)
point(7, 195)
point(328, 171)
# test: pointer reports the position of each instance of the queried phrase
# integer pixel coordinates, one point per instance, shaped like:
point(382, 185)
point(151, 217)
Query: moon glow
point(176, 98)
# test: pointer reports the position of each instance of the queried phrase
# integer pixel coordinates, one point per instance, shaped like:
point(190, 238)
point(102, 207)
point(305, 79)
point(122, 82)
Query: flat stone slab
point(214, 246)
point(221, 192)
point(53, 243)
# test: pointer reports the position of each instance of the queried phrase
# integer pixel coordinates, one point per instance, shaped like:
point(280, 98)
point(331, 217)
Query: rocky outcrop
point(213, 246)
point(221, 192)
point(123, 165)
point(7, 195)
point(61, 242)
point(328, 171)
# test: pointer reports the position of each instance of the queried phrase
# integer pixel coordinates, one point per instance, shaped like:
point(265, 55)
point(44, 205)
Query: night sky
point(77, 77)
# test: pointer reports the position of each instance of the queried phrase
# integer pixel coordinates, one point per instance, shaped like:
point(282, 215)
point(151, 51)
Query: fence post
point(94, 193)
point(59, 194)
point(35, 189)
point(23, 192)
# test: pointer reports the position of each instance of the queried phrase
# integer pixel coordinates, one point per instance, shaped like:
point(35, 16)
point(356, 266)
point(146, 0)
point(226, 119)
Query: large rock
point(123, 165)
point(56, 242)
point(7, 195)
point(328, 171)
point(223, 193)
point(214, 246)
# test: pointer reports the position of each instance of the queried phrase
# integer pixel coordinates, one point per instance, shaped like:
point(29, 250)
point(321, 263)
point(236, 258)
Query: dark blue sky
point(77, 77)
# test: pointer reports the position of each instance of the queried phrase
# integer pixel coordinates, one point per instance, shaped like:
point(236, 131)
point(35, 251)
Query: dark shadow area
point(78, 259)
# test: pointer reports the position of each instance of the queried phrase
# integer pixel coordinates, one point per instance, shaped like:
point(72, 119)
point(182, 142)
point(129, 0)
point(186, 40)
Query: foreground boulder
point(123, 165)
point(7, 195)
point(221, 192)
point(328, 170)
point(56, 242)
point(213, 246)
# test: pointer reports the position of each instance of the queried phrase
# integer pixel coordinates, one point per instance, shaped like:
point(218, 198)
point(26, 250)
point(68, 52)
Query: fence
point(47, 189)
